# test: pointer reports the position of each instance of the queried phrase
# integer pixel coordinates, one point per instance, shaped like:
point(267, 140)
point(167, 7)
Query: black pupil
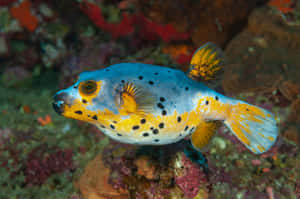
point(89, 87)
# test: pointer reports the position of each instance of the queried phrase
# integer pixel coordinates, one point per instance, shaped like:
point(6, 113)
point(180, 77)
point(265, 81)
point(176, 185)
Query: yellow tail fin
point(255, 127)
point(207, 62)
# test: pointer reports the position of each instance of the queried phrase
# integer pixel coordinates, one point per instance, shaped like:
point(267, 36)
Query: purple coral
point(191, 179)
point(38, 169)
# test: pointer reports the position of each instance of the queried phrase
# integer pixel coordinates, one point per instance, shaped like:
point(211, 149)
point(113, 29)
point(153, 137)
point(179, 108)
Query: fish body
point(145, 104)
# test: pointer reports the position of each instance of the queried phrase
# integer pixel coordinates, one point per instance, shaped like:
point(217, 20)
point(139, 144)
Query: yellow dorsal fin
point(134, 99)
point(203, 134)
point(207, 62)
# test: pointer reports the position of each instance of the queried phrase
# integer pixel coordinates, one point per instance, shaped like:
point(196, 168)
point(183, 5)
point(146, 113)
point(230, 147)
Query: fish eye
point(87, 87)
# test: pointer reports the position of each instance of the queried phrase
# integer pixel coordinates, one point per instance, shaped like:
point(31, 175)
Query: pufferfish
point(145, 104)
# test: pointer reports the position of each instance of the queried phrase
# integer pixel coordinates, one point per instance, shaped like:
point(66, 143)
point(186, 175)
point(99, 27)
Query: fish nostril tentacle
point(60, 96)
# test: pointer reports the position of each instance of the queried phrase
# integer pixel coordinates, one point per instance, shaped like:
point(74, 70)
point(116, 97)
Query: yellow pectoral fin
point(134, 99)
point(203, 134)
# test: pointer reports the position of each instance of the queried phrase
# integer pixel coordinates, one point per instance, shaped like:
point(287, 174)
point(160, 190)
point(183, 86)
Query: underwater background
point(45, 44)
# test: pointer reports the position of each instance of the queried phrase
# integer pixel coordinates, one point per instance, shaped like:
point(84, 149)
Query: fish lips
point(60, 100)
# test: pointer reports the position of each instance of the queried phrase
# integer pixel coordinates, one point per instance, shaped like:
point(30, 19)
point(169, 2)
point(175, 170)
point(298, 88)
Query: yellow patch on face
point(88, 90)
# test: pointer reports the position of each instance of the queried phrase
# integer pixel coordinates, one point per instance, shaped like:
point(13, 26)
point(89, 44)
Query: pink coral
point(191, 179)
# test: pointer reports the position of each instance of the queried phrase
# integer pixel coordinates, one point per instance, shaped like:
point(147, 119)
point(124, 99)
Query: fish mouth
point(60, 102)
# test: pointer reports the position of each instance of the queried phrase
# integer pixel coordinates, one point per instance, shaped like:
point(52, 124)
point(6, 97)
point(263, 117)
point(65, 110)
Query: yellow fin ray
point(206, 63)
point(203, 134)
point(134, 99)
point(255, 127)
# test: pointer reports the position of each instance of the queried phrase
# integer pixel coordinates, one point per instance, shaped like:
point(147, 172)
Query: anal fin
point(203, 134)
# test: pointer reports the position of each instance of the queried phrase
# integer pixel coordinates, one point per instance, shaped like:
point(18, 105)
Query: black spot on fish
point(164, 112)
point(155, 73)
point(186, 88)
point(106, 69)
point(162, 99)
point(156, 140)
point(95, 117)
point(155, 131)
point(247, 109)
point(102, 126)
point(141, 77)
point(161, 125)
point(123, 81)
point(143, 121)
point(119, 134)
point(151, 82)
point(145, 134)
point(160, 105)
point(135, 127)
point(115, 122)
point(169, 71)
point(151, 127)
point(84, 101)
point(178, 119)
point(192, 129)
point(206, 102)
point(186, 128)
point(217, 98)
point(180, 134)
point(112, 126)
point(78, 112)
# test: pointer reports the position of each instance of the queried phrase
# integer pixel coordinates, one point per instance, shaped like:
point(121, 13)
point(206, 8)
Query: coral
point(289, 90)
point(44, 121)
point(148, 29)
point(116, 30)
point(13, 76)
point(6, 2)
point(190, 178)
point(94, 182)
point(252, 67)
point(283, 6)
point(146, 168)
point(39, 167)
point(294, 116)
point(292, 134)
point(181, 53)
point(204, 20)
point(23, 14)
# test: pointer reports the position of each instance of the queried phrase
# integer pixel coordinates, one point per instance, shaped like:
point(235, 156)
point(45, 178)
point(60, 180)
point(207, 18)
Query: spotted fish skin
point(172, 117)
point(145, 104)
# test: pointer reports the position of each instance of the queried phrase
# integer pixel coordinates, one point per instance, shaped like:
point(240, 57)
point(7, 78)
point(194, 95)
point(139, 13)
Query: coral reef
point(44, 45)
point(260, 59)
point(204, 19)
